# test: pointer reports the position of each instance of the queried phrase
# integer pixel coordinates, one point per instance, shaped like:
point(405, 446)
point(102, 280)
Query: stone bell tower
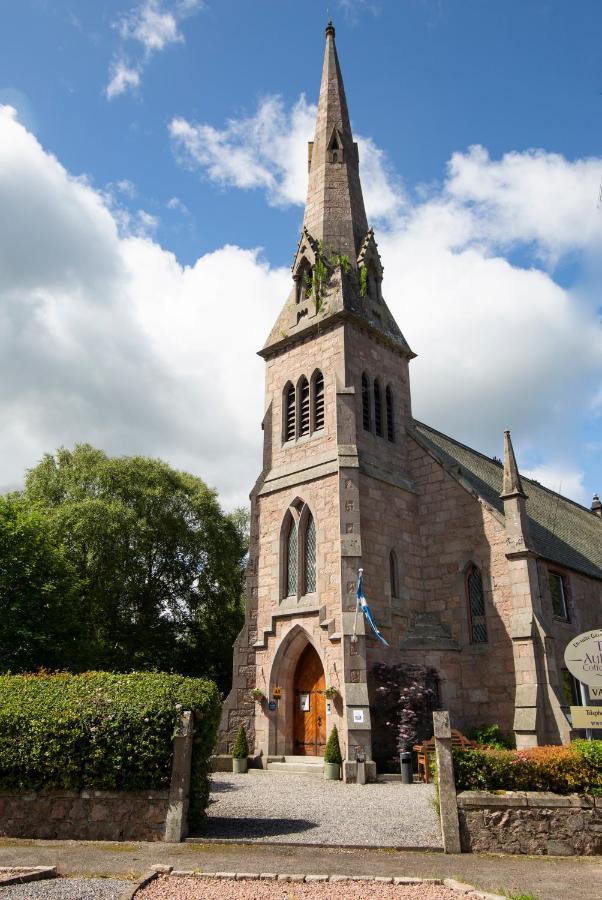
point(334, 492)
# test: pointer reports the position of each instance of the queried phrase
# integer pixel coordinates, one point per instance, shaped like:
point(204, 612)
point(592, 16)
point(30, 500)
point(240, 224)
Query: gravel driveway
point(299, 809)
point(66, 889)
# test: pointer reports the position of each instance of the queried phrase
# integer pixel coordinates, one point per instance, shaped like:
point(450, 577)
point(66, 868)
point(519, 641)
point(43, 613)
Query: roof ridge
point(484, 456)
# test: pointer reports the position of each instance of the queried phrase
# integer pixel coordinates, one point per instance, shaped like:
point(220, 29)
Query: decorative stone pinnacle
point(512, 485)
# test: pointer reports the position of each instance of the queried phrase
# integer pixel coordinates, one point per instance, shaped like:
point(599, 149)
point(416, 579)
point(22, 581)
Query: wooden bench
point(424, 750)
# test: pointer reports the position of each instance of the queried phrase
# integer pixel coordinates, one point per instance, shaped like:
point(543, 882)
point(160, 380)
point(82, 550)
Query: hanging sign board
point(583, 658)
point(586, 716)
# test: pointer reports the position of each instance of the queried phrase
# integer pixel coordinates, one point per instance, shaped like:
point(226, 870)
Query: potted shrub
point(332, 756)
point(240, 752)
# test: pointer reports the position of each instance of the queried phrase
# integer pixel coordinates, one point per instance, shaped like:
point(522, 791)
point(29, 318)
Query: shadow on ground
point(243, 829)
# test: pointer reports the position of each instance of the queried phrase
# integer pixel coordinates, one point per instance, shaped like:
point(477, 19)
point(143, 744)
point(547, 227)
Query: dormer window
point(335, 148)
point(303, 280)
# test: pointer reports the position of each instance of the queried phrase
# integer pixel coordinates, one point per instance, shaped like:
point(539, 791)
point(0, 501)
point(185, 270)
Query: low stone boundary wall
point(85, 815)
point(530, 822)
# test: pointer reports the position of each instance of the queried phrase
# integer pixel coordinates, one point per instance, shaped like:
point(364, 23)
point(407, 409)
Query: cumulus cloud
point(268, 151)
point(151, 26)
point(107, 338)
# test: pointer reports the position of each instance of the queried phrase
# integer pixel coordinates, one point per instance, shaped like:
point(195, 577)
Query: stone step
point(289, 768)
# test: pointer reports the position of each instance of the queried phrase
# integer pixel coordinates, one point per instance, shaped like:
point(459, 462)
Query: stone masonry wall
point(532, 823)
point(85, 816)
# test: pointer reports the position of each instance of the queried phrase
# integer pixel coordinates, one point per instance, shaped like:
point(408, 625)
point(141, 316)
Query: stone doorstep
point(467, 890)
point(28, 873)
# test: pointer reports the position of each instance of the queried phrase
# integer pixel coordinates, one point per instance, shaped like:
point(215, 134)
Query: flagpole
point(357, 604)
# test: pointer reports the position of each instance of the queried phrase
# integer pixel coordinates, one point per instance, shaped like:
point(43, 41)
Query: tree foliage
point(157, 564)
point(402, 712)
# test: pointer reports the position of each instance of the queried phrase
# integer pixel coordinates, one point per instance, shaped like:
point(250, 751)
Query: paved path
point(548, 878)
point(265, 807)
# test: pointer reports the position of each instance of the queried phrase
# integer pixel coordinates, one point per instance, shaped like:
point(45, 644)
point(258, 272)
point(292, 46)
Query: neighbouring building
point(467, 568)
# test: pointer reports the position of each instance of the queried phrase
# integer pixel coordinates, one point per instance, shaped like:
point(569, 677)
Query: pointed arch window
point(303, 406)
point(291, 559)
point(393, 575)
point(390, 419)
point(289, 413)
point(304, 280)
point(318, 417)
point(476, 605)
point(366, 403)
point(310, 555)
point(378, 409)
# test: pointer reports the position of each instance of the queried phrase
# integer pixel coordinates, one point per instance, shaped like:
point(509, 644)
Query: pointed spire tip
point(330, 29)
point(512, 484)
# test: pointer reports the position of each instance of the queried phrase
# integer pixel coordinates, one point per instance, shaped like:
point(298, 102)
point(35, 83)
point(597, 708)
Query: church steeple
point(337, 270)
point(334, 212)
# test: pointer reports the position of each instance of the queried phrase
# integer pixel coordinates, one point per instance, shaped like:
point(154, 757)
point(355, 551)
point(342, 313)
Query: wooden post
point(448, 804)
point(176, 822)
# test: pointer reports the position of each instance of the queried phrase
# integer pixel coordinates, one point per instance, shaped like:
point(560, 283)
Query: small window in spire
point(335, 148)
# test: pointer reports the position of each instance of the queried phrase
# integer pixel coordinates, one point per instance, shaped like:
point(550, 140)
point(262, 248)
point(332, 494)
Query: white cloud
point(152, 24)
point(268, 150)
point(566, 481)
point(106, 338)
point(123, 78)
point(175, 204)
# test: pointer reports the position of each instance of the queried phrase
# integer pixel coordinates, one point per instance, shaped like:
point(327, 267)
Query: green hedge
point(571, 769)
point(102, 731)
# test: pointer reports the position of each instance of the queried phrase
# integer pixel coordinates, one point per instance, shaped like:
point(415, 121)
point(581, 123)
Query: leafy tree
point(38, 592)
point(158, 563)
point(402, 713)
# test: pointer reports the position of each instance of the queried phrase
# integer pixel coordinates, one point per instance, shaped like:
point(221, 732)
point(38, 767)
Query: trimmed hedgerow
point(103, 731)
point(570, 769)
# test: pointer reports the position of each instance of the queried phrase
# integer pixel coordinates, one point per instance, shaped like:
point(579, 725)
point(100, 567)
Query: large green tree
point(159, 565)
point(38, 593)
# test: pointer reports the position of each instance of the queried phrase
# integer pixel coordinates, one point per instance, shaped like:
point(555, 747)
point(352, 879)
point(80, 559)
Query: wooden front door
point(310, 705)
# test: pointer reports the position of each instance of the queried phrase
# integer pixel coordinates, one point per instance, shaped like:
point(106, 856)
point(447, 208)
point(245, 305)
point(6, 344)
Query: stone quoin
point(468, 568)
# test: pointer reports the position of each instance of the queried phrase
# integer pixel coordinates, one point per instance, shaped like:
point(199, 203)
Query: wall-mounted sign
point(583, 658)
point(586, 716)
point(304, 702)
point(277, 693)
point(272, 706)
point(358, 716)
point(329, 707)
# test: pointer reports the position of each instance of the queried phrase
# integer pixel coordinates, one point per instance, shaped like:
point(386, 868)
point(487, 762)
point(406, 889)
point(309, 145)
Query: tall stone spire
point(335, 242)
point(512, 485)
point(334, 212)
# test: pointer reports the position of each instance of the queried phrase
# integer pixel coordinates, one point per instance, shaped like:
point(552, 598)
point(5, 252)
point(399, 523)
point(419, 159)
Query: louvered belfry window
point(390, 420)
point(318, 401)
point(378, 410)
point(365, 403)
point(289, 413)
point(303, 407)
point(310, 556)
point(291, 560)
point(476, 605)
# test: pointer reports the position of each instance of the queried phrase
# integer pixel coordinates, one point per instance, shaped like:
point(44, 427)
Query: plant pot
point(240, 766)
point(332, 771)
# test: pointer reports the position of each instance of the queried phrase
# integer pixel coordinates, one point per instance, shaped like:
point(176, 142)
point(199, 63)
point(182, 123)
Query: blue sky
point(426, 80)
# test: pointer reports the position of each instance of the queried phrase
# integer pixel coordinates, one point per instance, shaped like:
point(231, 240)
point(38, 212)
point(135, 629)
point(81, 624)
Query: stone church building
point(468, 568)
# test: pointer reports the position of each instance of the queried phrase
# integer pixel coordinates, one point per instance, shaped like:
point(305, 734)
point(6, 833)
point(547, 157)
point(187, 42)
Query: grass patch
point(518, 895)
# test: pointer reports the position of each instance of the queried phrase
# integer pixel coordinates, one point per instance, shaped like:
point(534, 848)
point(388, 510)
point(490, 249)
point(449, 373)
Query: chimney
point(596, 506)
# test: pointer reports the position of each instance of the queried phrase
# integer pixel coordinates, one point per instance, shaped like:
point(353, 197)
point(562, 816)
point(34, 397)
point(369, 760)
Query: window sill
point(304, 439)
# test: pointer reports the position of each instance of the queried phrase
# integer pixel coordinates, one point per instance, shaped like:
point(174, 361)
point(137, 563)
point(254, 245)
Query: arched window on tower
point(318, 401)
point(390, 419)
point(309, 561)
point(288, 413)
point(303, 391)
point(366, 403)
point(393, 576)
point(291, 559)
point(378, 409)
point(476, 605)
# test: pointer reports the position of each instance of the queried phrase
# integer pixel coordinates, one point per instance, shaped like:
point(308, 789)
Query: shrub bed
point(103, 731)
point(571, 769)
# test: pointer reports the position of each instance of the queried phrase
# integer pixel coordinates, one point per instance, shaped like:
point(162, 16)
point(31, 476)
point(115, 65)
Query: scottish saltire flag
point(361, 601)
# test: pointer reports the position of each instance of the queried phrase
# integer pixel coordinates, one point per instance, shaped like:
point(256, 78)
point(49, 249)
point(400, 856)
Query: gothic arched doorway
point(310, 705)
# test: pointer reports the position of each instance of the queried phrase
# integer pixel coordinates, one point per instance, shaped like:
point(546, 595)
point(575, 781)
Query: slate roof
point(560, 529)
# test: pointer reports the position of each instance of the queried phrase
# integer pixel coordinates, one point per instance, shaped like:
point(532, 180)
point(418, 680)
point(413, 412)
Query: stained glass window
point(310, 556)
point(291, 560)
point(476, 606)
